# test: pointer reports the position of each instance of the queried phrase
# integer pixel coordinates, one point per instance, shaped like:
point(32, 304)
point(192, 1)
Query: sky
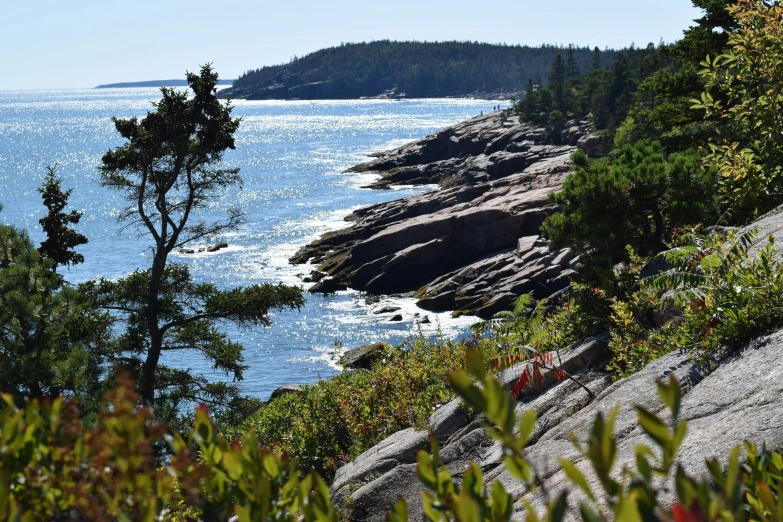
point(47, 44)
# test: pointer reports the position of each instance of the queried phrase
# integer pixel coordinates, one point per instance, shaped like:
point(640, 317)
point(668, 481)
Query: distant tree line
point(423, 69)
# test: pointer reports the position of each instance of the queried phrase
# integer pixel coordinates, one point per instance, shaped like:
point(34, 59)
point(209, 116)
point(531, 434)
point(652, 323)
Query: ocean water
point(292, 155)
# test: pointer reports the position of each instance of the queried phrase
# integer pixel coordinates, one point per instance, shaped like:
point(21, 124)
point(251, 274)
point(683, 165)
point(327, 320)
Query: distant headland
point(389, 69)
point(154, 83)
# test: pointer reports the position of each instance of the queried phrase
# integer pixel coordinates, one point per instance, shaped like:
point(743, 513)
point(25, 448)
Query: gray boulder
point(284, 390)
point(362, 358)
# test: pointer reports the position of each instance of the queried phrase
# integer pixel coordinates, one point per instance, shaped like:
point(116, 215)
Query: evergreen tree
point(572, 65)
point(530, 104)
point(60, 238)
point(51, 338)
point(636, 199)
point(596, 60)
point(557, 81)
point(168, 170)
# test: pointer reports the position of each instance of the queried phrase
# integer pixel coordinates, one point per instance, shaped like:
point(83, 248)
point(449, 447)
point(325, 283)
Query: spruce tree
point(557, 82)
point(596, 65)
point(52, 340)
point(530, 103)
point(60, 238)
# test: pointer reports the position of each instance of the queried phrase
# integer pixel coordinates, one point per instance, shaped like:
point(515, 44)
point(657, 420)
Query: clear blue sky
point(82, 43)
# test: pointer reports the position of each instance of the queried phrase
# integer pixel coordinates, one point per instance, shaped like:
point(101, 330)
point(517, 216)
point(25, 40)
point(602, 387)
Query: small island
point(153, 83)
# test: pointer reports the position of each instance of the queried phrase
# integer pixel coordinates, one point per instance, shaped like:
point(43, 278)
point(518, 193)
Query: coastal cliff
point(473, 246)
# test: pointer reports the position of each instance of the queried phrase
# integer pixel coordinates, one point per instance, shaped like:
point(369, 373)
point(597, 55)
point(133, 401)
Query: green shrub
point(52, 468)
point(637, 199)
point(547, 326)
point(336, 419)
point(743, 92)
point(719, 292)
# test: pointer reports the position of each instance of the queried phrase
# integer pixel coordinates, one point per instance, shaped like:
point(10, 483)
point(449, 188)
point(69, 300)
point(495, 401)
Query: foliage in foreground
point(51, 468)
point(753, 491)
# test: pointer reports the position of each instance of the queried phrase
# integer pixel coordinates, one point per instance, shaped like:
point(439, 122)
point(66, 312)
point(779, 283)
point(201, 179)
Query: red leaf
point(682, 514)
point(539, 378)
point(521, 383)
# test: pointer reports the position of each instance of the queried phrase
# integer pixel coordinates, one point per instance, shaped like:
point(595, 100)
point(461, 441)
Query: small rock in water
point(215, 248)
point(372, 299)
point(186, 251)
point(426, 320)
point(386, 310)
point(396, 318)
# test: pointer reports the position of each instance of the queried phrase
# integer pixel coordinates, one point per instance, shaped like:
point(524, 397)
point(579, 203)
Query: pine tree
point(530, 104)
point(51, 338)
point(557, 82)
point(168, 170)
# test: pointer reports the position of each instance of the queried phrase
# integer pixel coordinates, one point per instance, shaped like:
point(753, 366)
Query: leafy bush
point(336, 419)
point(719, 291)
point(51, 468)
point(752, 491)
point(743, 90)
point(549, 326)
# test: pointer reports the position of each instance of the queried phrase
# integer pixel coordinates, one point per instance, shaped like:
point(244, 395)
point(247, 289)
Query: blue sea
point(292, 155)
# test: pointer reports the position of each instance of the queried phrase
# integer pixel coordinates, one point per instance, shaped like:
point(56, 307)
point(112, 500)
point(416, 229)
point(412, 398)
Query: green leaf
point(518, 467)
point(466, 509)
point(671, 395)
point(527, 423)
point(426, 472)
point(475, 363)
point(576, 477)
point(399, 512)
point(653, 427)
point(464, 387)
point(502, 503)
point(556, 509)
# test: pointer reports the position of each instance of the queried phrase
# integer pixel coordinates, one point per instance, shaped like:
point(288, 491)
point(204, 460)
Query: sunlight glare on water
point(292, 155)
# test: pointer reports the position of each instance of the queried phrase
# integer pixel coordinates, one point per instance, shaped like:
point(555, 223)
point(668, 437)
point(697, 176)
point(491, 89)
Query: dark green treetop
point(572, 64)
point(636, 199)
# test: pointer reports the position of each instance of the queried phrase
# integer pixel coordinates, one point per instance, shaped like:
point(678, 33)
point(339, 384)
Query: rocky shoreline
point(472, 246)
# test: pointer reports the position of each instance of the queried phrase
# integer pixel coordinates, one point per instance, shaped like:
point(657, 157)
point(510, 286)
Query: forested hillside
point(417, 69)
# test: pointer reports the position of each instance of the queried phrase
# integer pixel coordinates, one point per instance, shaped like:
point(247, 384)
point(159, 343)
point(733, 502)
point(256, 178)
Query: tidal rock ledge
point(471, 246)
